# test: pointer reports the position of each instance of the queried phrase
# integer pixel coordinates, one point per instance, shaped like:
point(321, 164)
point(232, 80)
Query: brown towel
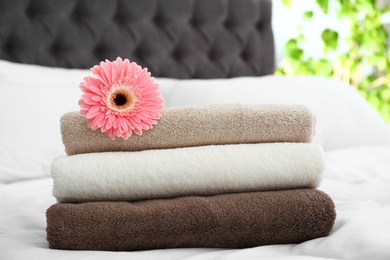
point(225, 221)
point(196, 126)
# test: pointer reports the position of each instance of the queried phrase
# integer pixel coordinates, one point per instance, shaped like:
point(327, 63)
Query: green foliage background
point(366, 46)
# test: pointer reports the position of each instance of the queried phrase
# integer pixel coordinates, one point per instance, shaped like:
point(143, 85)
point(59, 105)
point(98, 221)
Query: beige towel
point(197, 126)
point(230, 220)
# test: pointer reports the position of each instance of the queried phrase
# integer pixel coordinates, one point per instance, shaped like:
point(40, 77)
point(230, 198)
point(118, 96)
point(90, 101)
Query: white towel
point(203, 170)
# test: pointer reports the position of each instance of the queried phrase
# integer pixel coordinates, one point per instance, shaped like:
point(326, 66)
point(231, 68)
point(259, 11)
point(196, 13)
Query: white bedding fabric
point(357, 174)
point(357, 179)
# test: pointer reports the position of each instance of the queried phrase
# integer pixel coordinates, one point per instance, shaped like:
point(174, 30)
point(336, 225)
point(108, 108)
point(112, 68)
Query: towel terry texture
point(222, 221)
point(222, 176)
point(203, 170)
point(196, 126)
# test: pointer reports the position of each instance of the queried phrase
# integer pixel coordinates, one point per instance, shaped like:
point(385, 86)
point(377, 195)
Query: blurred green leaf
point(292, 50)
point(287, 2)
point(330, 39)
point(324, 5)
point(323, 68)
point(308, 15)
point(366, 44)
point(385, 94)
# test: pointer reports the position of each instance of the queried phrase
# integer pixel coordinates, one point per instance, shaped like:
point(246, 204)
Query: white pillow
point(34, 99)
point(344, 118)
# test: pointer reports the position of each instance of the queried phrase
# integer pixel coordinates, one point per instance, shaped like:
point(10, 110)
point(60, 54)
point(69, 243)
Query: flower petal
point(120, 121)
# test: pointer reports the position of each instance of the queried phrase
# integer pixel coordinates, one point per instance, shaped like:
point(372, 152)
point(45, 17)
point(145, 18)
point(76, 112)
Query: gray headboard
point(173, 38)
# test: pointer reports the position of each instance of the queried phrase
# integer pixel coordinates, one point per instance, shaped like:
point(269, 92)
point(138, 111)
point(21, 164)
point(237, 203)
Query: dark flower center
point(120, 99)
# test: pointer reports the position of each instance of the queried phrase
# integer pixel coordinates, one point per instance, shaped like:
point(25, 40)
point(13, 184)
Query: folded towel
point(195, 126)
point(202, 170)
point(230, 220)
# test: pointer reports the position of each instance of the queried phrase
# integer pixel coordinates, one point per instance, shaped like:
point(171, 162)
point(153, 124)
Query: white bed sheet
point(358, 180)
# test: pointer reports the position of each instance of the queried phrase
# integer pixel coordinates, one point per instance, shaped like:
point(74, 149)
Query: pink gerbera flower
point(120, 98)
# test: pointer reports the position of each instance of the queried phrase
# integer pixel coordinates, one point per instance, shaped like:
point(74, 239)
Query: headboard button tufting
point(76, 16)
point(54, 50)
point(8, 47)
point(194, 22)
point(173, 38)
point(30, 13)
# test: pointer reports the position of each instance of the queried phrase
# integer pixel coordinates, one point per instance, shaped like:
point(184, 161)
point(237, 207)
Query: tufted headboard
point(173, 38)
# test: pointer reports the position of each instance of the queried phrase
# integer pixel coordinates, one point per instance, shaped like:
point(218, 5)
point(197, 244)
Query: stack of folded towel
point(209, 176)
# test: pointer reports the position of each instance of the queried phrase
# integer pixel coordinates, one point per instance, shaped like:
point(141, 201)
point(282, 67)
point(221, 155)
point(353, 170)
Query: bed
point(200, 53)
